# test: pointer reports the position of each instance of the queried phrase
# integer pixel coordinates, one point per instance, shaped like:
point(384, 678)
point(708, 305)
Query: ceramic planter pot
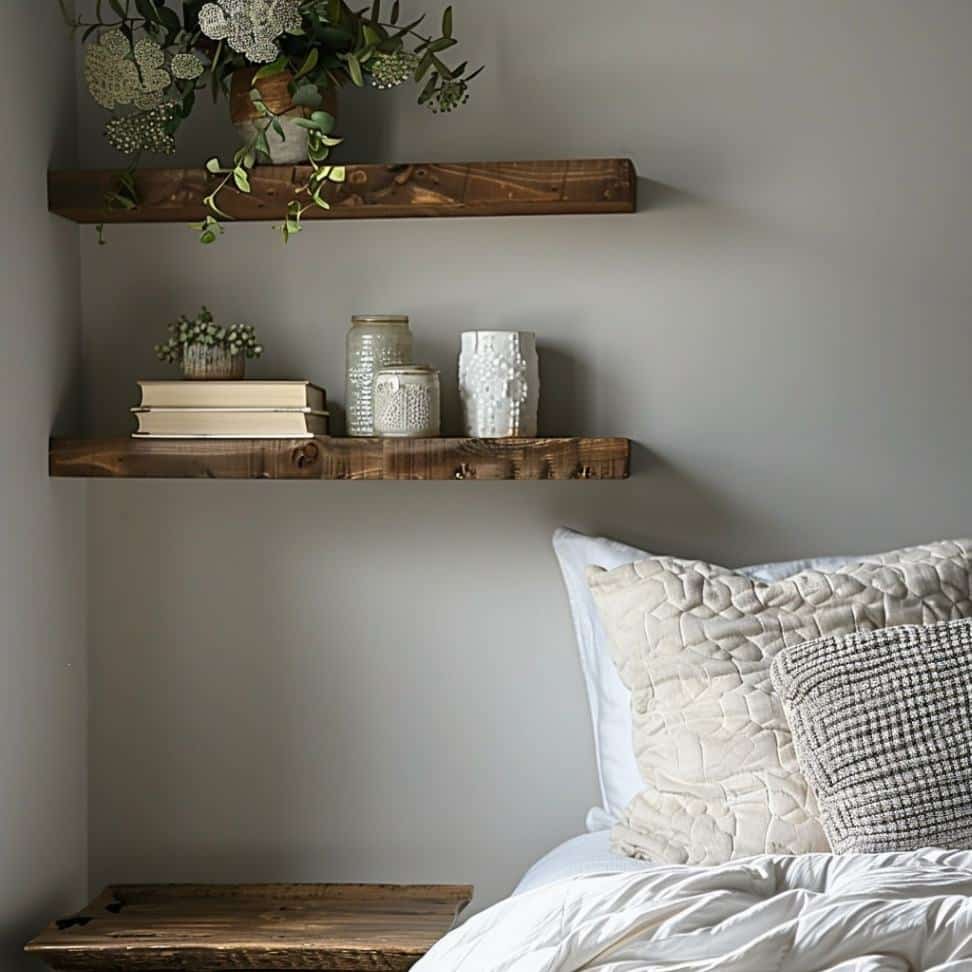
point(292, 148)
point(203, 363)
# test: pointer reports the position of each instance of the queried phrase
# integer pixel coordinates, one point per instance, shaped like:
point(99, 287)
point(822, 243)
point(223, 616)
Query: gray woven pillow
point(882, 727)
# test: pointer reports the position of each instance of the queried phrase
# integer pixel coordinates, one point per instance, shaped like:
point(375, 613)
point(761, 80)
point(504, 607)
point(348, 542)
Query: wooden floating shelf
point(328, 458)
point(369, 192)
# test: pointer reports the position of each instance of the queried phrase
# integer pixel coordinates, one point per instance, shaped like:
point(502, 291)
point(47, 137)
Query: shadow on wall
point(653, 515)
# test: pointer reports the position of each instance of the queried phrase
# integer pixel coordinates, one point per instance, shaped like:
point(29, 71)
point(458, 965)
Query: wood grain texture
point(369, 192)
point(337, 458)
point(285, 926)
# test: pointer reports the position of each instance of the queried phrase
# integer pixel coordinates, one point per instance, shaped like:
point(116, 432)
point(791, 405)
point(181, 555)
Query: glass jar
point(407, 402)
point(373, 343)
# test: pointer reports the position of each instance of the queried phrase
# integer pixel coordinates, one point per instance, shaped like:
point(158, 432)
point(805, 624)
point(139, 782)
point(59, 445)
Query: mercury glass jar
point(407, 402)
point(373, 343)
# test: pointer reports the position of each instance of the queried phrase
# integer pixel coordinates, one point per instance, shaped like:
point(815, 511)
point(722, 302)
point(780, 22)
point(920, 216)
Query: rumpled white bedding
point(849, 913)
point(587, 854)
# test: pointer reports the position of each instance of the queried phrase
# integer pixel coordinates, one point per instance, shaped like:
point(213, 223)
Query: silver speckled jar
point(407, 402)
point(373, 343)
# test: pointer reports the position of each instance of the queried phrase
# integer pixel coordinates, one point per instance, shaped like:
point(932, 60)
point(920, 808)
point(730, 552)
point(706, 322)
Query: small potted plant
point(207, 351)
point(279, 64)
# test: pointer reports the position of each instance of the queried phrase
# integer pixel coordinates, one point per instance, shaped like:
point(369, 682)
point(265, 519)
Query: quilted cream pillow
point(694, 643)
point(882, 726)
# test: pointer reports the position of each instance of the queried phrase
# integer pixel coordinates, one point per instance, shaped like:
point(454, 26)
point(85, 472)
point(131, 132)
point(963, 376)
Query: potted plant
point(206, 351)
point(279, 64)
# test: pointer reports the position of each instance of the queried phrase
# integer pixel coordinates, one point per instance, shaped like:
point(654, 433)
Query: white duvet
point(852, 913)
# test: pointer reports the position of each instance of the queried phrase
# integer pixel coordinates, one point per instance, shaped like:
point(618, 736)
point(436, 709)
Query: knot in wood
point(307, 455)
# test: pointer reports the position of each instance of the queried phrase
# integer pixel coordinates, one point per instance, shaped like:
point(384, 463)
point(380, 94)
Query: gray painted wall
point(378, 681)
point(43, 693)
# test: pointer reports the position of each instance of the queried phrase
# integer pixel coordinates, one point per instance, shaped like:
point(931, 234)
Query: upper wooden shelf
point(336, 458)
point(369, 192)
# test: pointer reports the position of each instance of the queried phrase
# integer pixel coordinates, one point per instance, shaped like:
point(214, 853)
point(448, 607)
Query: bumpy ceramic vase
point(407, 402)
point(499, 383)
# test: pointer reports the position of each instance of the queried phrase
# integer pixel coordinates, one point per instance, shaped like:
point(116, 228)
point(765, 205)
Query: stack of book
point(231, 410)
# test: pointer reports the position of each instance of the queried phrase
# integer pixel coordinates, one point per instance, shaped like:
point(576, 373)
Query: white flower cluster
point(251, 27)
point(143, 131)
point(391, 70)
point(118, 72)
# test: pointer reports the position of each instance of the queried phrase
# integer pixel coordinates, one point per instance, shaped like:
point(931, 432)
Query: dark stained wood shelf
point(369, 192)
point(326, 458)
point(200, 928)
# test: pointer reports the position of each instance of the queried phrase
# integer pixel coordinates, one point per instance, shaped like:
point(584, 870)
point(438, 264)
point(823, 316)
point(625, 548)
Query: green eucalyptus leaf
point(396, 11)
point(376, 10)
point(423, 67)
point(447, 22)
point(242, 180)
point(170, 20)
point(272, 70)
point(354, 69)
point(428, 90)
point(310, 62)
point(307, 96)
point(325, 121)
point(147, 9)
point(442, 44)
point(118, 8)
point(408, 28)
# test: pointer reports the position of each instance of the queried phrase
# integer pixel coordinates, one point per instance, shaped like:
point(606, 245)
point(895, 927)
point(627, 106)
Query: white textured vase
point(499, 383)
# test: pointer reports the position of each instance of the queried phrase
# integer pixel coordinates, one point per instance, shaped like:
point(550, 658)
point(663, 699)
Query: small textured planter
point(203, 363)
point(275, 91)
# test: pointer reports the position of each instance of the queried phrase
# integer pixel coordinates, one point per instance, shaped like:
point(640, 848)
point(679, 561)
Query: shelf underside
point(369, 191)
point(326, 458)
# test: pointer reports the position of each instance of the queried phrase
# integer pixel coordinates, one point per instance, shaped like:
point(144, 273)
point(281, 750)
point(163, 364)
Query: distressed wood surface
point(370, 191)
point(340, 458)
point(194, 928)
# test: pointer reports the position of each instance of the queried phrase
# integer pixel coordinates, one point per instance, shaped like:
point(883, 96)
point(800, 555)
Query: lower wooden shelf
point(338, 458)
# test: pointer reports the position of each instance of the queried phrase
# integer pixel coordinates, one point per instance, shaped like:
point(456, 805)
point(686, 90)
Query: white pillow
point(609, 699)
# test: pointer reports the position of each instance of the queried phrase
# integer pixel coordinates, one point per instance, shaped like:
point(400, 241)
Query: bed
point(584, 907)
point(859, 667)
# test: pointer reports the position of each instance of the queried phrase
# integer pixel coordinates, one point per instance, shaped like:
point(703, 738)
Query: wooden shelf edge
point(406, 190)
point(327, 458)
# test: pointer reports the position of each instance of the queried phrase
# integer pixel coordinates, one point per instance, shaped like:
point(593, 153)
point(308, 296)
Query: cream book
point(229, 423)
point(232, 394)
